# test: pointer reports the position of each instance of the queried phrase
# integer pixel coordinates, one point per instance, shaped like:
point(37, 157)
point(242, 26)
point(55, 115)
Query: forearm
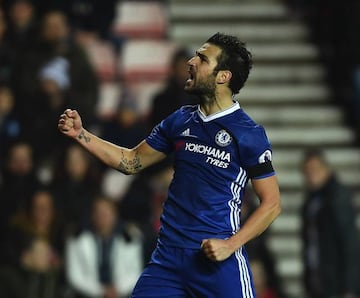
point(125, 160)
point(257, 223)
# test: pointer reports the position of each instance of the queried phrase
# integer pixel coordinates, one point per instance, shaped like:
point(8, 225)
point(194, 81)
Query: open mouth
point(191, 77)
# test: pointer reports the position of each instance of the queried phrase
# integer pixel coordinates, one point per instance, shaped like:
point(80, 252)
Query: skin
point(316, 173)
point(215, 95)
point(42, 212)
point(20, 160)
point(104, 218)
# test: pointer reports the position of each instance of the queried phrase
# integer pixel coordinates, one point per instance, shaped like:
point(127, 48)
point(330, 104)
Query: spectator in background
point(34, 276)
point(19, 181)
point(173, 96)
point(331, 244)
point(55, 41)
point(10, 127)
point(22, 27)
point(92, 15)
point(104, 262)
point(75, 187)
point(125, 128)
point(261, 280)
point(48, 101)
point(83, 82)
point(38, 220)
point(143, 203)
point(7, 58)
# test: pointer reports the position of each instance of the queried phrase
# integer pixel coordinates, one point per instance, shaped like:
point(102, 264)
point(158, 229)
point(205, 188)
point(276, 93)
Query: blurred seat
point(143, 93)
point(145, 60)
point(103, 58)
point(143, 67)
point(140, 19)
point(109, 97)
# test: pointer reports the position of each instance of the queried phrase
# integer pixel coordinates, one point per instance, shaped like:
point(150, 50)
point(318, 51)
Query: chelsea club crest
point(223, 138)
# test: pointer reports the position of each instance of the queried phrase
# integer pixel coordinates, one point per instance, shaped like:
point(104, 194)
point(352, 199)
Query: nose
point(191, 61)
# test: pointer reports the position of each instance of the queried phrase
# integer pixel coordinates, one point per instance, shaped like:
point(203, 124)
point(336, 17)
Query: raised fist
point(70, 123)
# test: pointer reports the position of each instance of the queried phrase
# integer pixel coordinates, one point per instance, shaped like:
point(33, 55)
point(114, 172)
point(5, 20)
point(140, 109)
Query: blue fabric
point(212, 157)
point(180, 272)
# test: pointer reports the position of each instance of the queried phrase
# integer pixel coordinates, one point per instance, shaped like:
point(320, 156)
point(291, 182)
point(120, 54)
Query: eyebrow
point(202, 56)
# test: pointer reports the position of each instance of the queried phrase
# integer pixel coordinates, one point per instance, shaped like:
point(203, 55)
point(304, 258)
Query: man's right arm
point(127, 161)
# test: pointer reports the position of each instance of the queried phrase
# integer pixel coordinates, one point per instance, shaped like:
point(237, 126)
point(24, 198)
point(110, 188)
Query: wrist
point(83, 136)
point(232, 243)
point(79, 133)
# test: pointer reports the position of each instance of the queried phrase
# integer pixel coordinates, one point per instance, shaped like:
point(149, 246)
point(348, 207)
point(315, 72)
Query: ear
point(223, 76)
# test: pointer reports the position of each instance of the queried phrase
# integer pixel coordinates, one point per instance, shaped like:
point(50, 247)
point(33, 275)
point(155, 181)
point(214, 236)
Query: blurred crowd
point(69, 227)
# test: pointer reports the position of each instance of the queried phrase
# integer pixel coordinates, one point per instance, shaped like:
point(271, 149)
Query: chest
point(209, 145)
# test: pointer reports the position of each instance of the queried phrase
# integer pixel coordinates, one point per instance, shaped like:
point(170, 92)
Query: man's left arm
point(267, 190)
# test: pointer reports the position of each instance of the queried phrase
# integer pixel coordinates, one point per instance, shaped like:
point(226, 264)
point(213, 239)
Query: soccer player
point(218, 148)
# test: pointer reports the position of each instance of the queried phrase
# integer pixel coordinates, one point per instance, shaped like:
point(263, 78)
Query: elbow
point(277, 209)
point(127, 172)
point(130, 165)
point(273, 206)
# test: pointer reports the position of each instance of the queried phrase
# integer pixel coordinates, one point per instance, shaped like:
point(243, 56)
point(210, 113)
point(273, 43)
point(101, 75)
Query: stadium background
point(304, 88)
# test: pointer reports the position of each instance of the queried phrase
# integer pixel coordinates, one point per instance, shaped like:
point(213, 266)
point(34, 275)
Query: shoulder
point(179, 116)
point(246, 128)
point(340, 193)
point(184, 111)
point(84, 238)
point(129, 235)
point(187, 110)
point(248, 123)
point(241, 121)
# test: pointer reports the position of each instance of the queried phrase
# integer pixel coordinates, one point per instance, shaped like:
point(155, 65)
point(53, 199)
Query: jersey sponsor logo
point(215, 156)
point(266, 156)
point(223, 138)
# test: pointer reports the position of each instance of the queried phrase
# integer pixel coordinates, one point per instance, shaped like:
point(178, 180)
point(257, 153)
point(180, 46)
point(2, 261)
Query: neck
point(105, 233)
point(220, 103)
point(42, 229)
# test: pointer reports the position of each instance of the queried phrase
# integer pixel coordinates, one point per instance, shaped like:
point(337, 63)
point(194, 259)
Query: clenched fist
point(70, 123)
point(217, 249)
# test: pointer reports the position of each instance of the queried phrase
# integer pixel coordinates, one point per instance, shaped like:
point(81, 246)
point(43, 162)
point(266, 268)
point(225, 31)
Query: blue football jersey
point(214, 158)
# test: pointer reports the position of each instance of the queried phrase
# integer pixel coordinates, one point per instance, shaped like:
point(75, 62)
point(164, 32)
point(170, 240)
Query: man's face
point(104, 217)
point(55, 28)
point(20, 160)
point(202, 80)
point(315, 173)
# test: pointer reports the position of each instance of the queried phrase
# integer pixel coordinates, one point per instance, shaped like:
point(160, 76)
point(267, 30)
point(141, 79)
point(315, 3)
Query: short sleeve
point(159, 138)
point(258, 154)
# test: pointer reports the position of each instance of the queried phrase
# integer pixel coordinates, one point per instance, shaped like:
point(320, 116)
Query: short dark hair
point(234, 57)
point(315, 153)
point(104, 199)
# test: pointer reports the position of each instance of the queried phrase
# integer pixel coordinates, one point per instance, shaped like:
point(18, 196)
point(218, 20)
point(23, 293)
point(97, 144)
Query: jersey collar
point(233, 108)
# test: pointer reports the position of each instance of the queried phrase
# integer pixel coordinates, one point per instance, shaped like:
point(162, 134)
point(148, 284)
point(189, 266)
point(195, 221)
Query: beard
point(203, 89)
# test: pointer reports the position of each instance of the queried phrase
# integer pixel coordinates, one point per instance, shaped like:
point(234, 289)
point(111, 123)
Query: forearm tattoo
point(129, 166)
point(83, 136)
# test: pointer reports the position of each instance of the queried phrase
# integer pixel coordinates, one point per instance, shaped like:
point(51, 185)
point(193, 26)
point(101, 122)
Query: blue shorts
point(180, 272)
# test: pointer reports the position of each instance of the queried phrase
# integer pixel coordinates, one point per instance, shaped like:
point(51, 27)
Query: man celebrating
point(217, 147)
